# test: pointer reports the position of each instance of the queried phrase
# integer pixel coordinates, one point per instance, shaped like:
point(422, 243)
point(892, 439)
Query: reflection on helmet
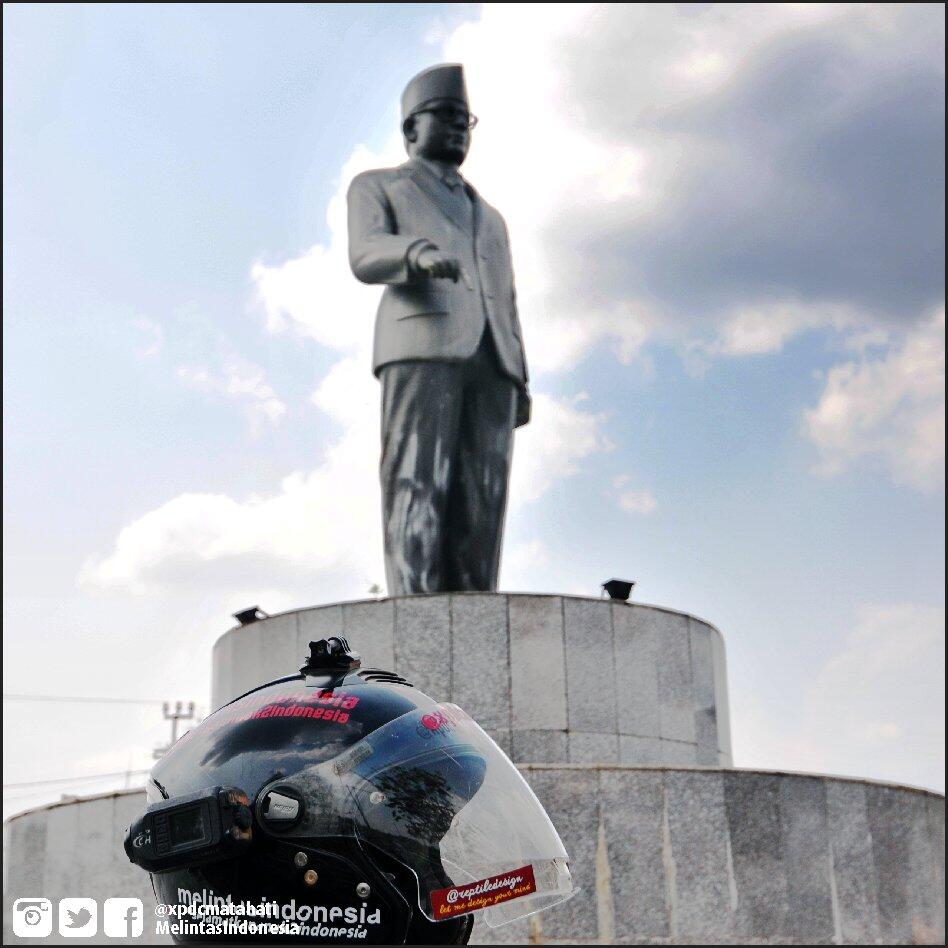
point(423, 798)
point(379, 817)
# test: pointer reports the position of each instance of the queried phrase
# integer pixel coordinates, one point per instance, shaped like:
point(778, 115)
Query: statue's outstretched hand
point(435, 263)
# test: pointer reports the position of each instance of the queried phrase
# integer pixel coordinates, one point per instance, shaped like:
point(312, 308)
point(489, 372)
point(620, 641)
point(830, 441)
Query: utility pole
point(179, 714)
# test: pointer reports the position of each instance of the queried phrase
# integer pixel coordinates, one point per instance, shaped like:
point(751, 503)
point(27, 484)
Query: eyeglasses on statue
point(449, 115)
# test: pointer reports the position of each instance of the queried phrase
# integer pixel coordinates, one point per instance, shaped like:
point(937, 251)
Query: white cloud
point(535, 163)
point(884, 695)
point(637, 501)
point(521, 561)
point(349, 395)
point(631, 499)
point(550, 448)
point(665, 177)
point(766, 328)
point(241, 380)
point(892, 407)
point(153, 333)
point(873, 337)
point(875, 709)
point(324, 520)
point(316, 294)
point(328, 519)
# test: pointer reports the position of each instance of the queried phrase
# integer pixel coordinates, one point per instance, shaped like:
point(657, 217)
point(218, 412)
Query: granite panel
point(571, 800)
point(480, 674)
point(676, 703)
point(637, 656)
point(537, 664)
point(752, 802)
point(632, 810)
point(702, 678)
point(721, 702)
point(890, 827)
point(708, 756)
point(246, 658)
point(856, 918)
point(585, 748)
point(640, 751)
point(678, 753)
point(279, 651)
point(807, 858)
point(513, 933)
point(590, 665)
point(935, 828)
point(7, 904)
point(126, 808)
point(95, 819)
point(423, 643)
point(27, 847)
point(538, 747)
point(369, 628)
point(697, 831)
point(222, 664)
point(62, 852)
point(119, 878)
point(926, 899)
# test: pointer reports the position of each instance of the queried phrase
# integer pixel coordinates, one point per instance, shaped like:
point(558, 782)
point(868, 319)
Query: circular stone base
point(662, 856)
point(552, 679)
point(708, 856)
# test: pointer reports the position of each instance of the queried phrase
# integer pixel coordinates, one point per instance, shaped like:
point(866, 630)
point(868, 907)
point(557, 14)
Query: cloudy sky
point(727, 226)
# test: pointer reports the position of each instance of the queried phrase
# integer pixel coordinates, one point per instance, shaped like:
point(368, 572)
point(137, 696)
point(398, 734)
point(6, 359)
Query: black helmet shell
point(279, 729)
point(272, 733)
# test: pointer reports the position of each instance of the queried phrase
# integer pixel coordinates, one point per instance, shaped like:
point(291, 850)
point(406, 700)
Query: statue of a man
point(448, 347)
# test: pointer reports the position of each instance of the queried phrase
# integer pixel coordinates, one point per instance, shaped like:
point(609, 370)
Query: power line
point(82, 699)
point(79, 779)
point(63, 791)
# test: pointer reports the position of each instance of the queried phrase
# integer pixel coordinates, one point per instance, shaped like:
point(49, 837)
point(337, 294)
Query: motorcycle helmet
point(342, 805)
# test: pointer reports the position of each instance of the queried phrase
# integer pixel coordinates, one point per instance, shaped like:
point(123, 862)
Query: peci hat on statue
point(444, 81)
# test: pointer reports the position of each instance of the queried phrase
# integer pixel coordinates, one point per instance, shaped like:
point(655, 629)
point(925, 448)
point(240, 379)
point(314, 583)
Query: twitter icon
point(78, 918)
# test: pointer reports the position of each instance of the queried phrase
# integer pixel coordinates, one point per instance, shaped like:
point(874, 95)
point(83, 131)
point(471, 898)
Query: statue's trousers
point(447, 439)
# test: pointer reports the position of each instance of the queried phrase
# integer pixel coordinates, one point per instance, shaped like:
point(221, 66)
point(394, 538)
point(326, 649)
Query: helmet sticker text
point(475, 896)
point(320, 705)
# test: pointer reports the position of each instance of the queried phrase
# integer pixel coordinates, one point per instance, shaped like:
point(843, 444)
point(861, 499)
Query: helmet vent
point(383, 677)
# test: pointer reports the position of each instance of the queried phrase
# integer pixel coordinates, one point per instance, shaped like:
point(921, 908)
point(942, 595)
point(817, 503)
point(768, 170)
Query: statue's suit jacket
point(391, 211)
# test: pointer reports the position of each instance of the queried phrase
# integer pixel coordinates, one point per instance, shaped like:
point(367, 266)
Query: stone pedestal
point(617, 715)
point(707, 856)
point(553, 679)
point(664, 856)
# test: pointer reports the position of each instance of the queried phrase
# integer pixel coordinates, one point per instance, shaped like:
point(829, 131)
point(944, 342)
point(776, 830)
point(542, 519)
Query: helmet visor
point(433, 790)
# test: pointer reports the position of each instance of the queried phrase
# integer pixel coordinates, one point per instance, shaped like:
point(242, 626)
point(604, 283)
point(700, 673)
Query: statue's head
point(436, 121)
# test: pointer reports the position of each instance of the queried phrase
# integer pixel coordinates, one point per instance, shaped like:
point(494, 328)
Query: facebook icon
point(123, 918)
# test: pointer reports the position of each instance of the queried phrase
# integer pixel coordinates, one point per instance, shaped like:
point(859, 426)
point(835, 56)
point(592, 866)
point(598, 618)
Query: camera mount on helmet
point(330, 657)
